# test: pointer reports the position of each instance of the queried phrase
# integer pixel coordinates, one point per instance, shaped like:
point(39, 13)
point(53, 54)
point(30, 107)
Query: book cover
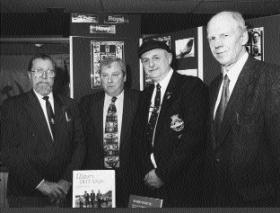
point(94, 189)
point(136, 201)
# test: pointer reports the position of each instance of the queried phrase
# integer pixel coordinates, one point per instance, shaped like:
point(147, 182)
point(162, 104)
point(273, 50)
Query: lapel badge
point(168, 95)
point(177, 124)
point(67, 117)
point(52, 121)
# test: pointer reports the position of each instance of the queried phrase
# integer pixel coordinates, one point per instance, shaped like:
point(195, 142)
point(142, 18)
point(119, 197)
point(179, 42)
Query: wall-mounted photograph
point(184, 48)
point(255, 45)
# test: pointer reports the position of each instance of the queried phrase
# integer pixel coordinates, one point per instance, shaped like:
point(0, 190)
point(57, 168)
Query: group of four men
point(176, 140)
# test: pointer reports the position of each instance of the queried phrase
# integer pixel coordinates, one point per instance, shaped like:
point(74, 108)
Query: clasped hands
point(56, 191)
point(152, 180)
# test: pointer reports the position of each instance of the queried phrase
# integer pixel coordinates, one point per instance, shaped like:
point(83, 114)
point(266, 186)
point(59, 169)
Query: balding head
point(236, 17)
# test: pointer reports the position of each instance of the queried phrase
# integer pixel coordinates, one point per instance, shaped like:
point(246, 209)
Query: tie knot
point(226, 79)
point(158, 86)
point(114, 99)
point(46, 98)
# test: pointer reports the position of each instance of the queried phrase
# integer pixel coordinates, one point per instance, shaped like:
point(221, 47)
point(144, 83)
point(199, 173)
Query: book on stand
point(94, 189)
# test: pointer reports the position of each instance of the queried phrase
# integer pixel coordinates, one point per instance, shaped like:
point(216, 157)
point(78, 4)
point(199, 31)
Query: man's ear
point(29, 75)
point(170, 57)
point(245, 37)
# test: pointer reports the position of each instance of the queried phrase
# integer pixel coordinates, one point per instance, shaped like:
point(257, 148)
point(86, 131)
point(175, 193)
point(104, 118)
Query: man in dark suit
point(170, 131)
point(243, 154)
point(107, 148)
point(43, 140)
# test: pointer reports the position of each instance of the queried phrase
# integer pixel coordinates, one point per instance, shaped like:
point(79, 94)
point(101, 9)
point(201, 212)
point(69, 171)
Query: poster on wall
point(255, 45)
point(99, 51)
point(184, 48)
point(84, 18)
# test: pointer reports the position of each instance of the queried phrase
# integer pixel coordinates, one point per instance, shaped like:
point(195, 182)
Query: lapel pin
point(67, 117)
point(237, 118)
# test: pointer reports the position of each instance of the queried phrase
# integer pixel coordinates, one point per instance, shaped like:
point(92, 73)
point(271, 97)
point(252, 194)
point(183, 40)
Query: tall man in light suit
point(170, 131)
point(43, 141)
point(243, 160)
point(107, 149)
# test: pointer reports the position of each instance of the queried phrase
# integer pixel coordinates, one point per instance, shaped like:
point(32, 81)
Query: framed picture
point(255, 45)
point(99, 51)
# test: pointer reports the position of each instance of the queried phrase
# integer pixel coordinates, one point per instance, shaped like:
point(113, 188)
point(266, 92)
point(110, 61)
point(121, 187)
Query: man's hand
point(152, 180)
point(65, 185)
point(53, 190)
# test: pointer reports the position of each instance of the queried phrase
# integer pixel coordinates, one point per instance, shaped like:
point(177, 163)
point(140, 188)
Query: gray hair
point(106, 62)
point(43, 57)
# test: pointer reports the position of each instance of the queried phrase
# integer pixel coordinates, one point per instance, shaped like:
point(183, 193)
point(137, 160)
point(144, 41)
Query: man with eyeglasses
point(170, 131)
point(108, 116)
point(43, 141)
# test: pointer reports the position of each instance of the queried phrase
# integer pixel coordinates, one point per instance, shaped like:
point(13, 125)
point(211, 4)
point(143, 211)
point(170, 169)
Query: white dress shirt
point(233, 74)
point(43, 106)
point(163, 84)
point(119, 107)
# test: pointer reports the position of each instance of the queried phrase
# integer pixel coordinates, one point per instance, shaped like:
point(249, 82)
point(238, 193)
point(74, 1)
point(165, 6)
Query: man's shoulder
point(132, 92)
point(17, 99)
point(93, 96)
point(188, 81)
point(89, 98)
point(261, 69)
point(65, 100)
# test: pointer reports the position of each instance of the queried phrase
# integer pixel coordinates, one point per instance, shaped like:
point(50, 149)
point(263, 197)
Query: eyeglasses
point(40, 72)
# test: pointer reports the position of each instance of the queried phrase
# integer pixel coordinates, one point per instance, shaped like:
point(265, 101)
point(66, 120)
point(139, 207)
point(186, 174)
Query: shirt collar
point(40, 97)
point(235, 70)
point(108, 98)
point(164, 82)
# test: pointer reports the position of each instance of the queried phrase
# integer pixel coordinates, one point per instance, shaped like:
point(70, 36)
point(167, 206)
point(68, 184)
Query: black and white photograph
point(109, 105)
point(255, 45)
point(184, 48)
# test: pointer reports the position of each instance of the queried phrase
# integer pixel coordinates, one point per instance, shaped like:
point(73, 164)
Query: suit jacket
point(244, 163)
point(178, 151)
point(91, 107)
point(28, 149)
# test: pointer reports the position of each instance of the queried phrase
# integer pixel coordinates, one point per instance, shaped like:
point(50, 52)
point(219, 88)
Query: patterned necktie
point(154, 116)
point(50, 114)
point(222, 105)
point(111, 145)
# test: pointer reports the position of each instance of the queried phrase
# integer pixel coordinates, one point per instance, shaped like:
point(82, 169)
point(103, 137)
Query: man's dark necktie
point(50, 114)
point(154, 116)
point(222, 105)
point(111, 145)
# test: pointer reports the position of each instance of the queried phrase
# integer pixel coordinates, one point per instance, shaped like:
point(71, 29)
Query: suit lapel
point(168, 98)
point(237, 99)
point(147, 102)
point(59, 117)
point(214, 91)
point(37, 117)
point(126, 115)
point(97, 115)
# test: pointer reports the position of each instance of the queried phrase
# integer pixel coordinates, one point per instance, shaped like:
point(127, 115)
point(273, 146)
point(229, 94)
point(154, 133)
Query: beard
point(43, 88)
